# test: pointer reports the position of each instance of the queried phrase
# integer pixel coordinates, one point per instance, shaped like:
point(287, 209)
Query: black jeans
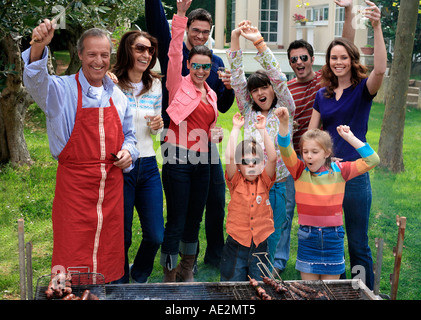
point(185, 177)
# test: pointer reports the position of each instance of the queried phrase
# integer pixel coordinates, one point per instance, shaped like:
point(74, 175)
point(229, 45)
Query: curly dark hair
point(358, 70)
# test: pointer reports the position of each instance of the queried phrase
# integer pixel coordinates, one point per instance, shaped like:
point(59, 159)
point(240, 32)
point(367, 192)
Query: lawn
point(27, 192)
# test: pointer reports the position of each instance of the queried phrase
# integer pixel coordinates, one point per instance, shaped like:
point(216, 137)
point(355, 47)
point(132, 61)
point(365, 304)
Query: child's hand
point(250, 33)
point(345, 132)
point(238, 120)
point(283, 115)
point(261, 122)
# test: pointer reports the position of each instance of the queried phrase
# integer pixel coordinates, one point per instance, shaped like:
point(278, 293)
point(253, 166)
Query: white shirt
point(148, 103)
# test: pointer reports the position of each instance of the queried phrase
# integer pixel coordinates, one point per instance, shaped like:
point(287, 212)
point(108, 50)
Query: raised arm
point(175, 52)
point(348, 31)
point(157, 25)
point(42, 36)
point(231, 166)
point(375, 78)
point(270, 166)
point(238, 81)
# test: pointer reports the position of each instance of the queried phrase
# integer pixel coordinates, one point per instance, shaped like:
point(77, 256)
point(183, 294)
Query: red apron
point(88, 207)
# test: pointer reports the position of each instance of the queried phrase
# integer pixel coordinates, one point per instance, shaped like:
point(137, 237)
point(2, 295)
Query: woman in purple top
point(347, 99)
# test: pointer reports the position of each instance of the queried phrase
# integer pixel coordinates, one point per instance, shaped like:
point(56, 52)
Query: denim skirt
point(320, 250)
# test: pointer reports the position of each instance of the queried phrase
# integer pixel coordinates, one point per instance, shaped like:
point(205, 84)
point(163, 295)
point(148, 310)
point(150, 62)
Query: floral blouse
point(244, 101)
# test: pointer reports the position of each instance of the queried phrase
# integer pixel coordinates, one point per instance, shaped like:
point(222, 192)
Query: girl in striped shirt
point(320, 187)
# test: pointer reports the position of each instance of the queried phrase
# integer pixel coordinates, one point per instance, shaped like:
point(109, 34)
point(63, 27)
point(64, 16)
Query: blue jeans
point(283, 248)
point(215, 210)
point(238, 262)
point(143, 191)
point(277, 198)
point(356, 205)
point(186, 182)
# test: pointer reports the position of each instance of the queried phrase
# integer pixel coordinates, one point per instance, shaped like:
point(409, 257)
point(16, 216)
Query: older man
point(87, 122)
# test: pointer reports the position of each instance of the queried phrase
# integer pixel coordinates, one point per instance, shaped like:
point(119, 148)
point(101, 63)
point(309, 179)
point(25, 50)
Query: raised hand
point(373, 13)
point(250, 33)
point(283, 116)
point(238, 120)
point(261, 122)
point(345, 132)
point(183, 6)
point(343, 3)
point(44, 33)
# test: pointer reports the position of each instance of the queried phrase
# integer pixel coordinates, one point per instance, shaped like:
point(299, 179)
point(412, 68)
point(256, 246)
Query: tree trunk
point(391, 137)
point(14, 101)
point(72, 36)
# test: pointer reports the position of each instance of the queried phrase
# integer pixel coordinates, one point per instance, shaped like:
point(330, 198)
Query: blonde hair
point(323, 139)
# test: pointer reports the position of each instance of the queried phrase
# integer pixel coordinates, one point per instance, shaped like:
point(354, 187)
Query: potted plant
point(368, 49)
point(299, 18)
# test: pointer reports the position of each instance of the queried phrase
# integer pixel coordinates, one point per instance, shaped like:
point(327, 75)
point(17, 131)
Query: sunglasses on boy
point(140, 48)
point(303, 58)
point(197, 66)
point(247, 161)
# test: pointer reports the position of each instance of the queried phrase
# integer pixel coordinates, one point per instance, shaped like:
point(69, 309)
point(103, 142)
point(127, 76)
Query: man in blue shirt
point(198, 30)
point(88, 121)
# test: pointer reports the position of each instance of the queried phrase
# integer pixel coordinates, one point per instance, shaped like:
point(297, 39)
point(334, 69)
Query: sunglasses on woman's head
point(197, 66)
point(303, 58)
point(247, 161)
point(140, 48)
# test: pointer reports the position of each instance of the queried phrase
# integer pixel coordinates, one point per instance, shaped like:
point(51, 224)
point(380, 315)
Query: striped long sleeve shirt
point(319, 195)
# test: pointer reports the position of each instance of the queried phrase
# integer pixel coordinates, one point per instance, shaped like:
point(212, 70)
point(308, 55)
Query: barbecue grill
point(331, 290)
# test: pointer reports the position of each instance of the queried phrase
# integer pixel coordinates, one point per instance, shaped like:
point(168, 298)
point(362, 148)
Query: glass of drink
point(221, 72)
point(217, 134)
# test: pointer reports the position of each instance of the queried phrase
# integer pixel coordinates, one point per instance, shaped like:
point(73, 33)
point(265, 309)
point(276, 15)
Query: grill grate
point(93, 282)
point(333, 290)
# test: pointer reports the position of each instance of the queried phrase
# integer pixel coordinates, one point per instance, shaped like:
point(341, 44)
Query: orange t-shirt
point(250, 216)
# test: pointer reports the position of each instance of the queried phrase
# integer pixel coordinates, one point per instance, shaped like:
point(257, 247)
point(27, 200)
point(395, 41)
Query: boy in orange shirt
point(250, 217)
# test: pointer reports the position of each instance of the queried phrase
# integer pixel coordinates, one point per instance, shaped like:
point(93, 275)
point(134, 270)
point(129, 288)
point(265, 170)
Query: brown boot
point(169, 275)
point(185, 268)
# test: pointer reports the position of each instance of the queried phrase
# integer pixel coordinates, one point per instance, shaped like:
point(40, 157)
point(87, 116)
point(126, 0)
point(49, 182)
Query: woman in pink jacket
point(185, 172)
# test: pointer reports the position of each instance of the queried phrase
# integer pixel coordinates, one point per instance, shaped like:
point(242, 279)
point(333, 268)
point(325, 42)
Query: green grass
point(27, 192)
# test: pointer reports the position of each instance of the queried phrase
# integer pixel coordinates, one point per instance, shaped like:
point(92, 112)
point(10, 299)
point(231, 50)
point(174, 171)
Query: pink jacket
point(183, 96)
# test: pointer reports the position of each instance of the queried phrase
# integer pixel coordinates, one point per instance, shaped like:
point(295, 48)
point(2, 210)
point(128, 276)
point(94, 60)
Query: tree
point(17, 20)
point(391, 136)
point(390, 12)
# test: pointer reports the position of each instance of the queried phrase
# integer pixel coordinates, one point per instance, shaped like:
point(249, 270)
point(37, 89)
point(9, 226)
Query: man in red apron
point(87, 121)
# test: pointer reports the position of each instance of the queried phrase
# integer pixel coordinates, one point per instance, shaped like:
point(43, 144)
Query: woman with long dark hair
point(346, 99)
point(136, 56)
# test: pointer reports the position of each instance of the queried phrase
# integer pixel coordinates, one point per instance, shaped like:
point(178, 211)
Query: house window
point(320, 15)
point(269, 20)
point(339, 21)
point(233, 25)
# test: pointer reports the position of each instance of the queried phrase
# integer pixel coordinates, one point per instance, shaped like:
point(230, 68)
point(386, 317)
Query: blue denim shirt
point(57, 97)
